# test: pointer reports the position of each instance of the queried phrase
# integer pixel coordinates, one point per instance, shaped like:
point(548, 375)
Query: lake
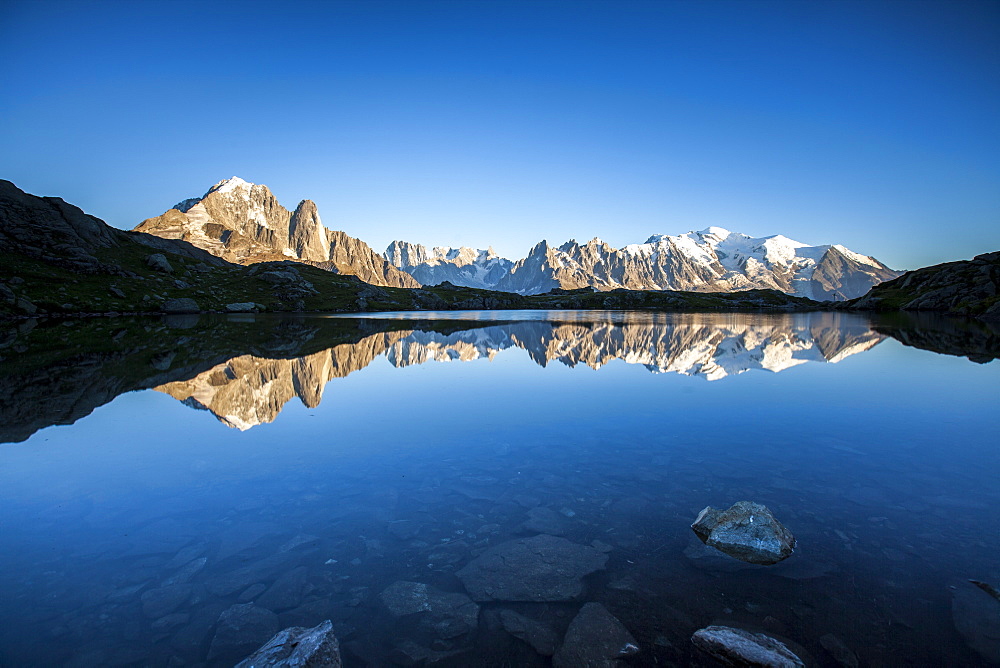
point(175, 490)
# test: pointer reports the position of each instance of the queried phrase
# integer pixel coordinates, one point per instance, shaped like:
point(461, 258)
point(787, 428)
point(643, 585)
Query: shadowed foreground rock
point(542, 568)
point(747, 531)
point(297, 647)
point(595, 638)
point(736, 647)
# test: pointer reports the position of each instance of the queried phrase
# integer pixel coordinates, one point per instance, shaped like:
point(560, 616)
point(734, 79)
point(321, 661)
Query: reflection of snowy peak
point(712, 260)
point(249, 390)
point(459, 266)
point(689, 345)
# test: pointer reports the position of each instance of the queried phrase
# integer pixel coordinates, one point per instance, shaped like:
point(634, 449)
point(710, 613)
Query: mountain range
point(711, 260)
point(236, 249)
point(244, 223)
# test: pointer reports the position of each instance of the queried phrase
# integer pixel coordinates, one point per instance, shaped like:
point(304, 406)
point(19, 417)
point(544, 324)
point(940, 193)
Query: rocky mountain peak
point(243, 222)
point(230, 185)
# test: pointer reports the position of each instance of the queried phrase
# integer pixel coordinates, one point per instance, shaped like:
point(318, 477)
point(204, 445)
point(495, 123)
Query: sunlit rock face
point(711, 260)
point(249, 390)
point(244, 223)
point(462, 266)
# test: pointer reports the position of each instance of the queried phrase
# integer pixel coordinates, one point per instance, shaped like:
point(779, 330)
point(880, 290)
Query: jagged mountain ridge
point(462, 266)
point(244, 223)
point(711, 260)
point(250, 390)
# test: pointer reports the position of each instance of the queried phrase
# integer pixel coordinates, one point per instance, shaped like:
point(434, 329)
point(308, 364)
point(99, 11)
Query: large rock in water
point(595, 639)
point(542, 568)
point(746, 531)
point(297, 647)
point(736, 647)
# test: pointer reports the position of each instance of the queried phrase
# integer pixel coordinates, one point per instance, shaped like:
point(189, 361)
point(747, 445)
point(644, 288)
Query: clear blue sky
point(872, 124)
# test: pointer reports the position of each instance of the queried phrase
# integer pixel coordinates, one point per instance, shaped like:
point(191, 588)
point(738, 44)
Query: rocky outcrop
point(966, 287)
point(49, 230)
point(458, 266)
point(244, 223)
point(298, 647)
point(712, 260)
point(746, 531)
point(736, 647)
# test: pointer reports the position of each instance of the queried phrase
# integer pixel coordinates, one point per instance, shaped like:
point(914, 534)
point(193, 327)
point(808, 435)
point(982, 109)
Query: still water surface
point(308, 465)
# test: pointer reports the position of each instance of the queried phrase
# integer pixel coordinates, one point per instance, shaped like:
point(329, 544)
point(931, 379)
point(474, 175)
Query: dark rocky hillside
point(967, 287)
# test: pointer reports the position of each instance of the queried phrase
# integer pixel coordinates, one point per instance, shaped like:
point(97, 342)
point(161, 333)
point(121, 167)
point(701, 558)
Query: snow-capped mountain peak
point(231, 184)
point(710, 260)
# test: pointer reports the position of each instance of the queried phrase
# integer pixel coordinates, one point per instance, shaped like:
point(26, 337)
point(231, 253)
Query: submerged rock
point(736, 647)
point(545, 520)
point(287, 590)
point(746, 531)
point(241, 628)
point(298, 647)
point(595, 638)
point(977, 619)
point(541, 638)
point(839, 651)
point(162, 601)
point(446, 615)
point(541, 568)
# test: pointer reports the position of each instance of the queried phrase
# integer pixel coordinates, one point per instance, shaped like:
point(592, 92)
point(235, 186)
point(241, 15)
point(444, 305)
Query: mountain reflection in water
point(143, 534)
point(249, 390)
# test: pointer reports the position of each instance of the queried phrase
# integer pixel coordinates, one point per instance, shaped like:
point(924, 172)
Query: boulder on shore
point(746, 531)
point(298, 647)
point(736, 647)
point(159, 262)
point(181, 305)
